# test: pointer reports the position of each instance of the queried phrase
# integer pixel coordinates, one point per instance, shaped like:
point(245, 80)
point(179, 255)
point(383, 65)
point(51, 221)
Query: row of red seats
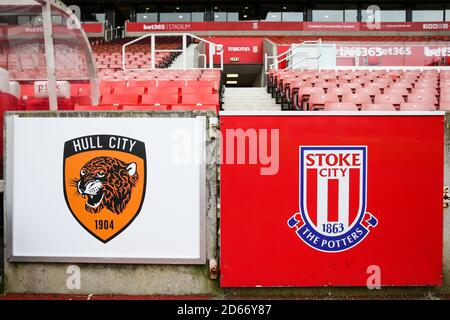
point(412, 85)
point(164, 101)
point(349, 106)
point(109, 55)
point(161, 74)
point(119, 102)
point(175, 107)
point(160, 83)
point(314, 101)
point(184, 84)
point(150, 90)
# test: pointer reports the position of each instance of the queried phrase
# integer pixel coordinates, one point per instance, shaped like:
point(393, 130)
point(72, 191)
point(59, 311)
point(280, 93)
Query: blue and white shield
point(332, 197)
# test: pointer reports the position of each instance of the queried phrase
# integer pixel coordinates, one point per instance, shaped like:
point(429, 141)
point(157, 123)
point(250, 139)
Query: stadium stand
point(404, 89)
point(9, 101)
point(133, 86)
point(108, 56)
point(157, 90)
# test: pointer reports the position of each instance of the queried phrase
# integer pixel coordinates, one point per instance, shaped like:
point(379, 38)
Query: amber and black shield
point(104, 182)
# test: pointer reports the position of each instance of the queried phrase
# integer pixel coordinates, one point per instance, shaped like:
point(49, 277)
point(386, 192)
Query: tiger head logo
point(105, 178)
point(107, 182)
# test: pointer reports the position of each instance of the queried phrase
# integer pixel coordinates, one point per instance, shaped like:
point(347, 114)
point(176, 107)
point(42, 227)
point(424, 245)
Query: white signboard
point(120, 190)
point(62, 89)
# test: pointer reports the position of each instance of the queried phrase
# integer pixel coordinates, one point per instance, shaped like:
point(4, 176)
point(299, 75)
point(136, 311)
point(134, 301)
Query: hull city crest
point(332, 213)
point(104, 182)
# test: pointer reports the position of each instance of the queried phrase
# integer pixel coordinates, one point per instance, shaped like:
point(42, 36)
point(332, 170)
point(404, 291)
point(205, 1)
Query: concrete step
point(248, 99)
point(190, 58)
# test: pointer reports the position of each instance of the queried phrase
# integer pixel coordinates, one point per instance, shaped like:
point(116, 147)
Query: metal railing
point(112, 33)
point(214, 50)
point(289, 54)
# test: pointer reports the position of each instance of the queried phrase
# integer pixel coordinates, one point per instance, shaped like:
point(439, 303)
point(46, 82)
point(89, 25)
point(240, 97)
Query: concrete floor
point(20, 296)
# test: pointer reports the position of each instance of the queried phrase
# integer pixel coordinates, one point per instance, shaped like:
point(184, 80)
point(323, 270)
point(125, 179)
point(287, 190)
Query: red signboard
point(92, 27)
point(331, 200)
point(211, 26)
point(331, 26)
point(405, 26)
point(239, 50)
point(285, 26)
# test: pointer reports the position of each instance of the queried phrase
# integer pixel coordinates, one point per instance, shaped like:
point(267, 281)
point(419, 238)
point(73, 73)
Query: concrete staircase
point(248, 99)
point(190, 58)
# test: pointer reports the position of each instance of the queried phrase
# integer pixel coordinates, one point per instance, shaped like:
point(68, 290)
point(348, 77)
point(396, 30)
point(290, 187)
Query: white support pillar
point(212, 48)
point(184, 53)
point(49, 55)
point(152, 52)
point(221, 57)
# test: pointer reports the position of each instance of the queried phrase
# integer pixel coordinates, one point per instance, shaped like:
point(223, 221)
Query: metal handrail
point(309, 58)
point(204, 59)
point(114, 33)
point(304, 59)
point(212, 47)
point(288, 54)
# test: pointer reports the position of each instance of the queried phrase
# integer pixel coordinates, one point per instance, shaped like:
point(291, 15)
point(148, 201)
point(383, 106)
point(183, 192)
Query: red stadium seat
point(304, 94)
point(171, 83)
point(339, 91)
point(406, 85)
point(83, 101)
point(203, 83)
point(27, 90)
point(112, 83)
point(74, 89)
point(381, 83)
point(43, 104)
point(8, 102)
point(145, 108)
point(317, 82)
point(429, 98)
point(417, 106)
point(141, 83)
point(378, 107)
point(163, 90)
point(96, 108)
point(197, 90)
point(369, 89)
point(164, 100)
point(424, 91)
point(318, 101)
point(201, 100)
point(128, 90)
point(103, 91)
point(357, 98)
point(396, 100)
point(353, 85)
point(328, 85)
point(444, 106)
point(445, 95)
point(185, 107)
point(396, 91)
point(119, 100)
point(84, 91)
point(340, 106)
